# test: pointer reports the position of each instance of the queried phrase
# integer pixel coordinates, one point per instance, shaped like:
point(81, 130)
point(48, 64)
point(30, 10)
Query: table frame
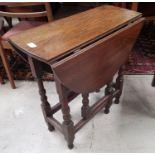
point(68, 129)
point(98, 62)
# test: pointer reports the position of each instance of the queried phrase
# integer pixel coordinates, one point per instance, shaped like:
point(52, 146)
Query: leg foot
point(46, 109)
point(68, 125)
point(119, 86)
point(51, 128)
point(68, 130)
point(109, 91)
point(106, 111)
point(70, 146)
point(117, 100)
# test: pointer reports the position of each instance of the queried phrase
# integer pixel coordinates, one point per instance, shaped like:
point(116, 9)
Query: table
point(84, 52)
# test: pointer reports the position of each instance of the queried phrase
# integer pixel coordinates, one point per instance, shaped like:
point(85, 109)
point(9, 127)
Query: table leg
point(68, 125)
point(37, 73)
point(109, 90)
point(119, 86)
point(85, 110)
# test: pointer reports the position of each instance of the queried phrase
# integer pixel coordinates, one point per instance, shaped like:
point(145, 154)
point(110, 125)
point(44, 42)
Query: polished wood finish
point(22, 12)
point(101, 53)
point(73, 32)
point(104, 47)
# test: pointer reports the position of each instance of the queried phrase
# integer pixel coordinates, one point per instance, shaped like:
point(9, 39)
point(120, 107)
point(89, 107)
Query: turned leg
point(7, 67)
point(119, 86)
point(46, 108)
point(109, 91)
point(85, 110)
point(68, 125)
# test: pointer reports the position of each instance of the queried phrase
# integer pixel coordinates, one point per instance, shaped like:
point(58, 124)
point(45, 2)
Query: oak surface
point(94, 66)
point(85, 70)
point(61, 36)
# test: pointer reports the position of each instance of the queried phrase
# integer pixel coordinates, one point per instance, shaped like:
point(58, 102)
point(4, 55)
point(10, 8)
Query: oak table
point(84, 52)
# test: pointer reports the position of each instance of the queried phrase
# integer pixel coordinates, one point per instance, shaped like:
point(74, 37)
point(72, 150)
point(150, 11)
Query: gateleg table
point(83, 52)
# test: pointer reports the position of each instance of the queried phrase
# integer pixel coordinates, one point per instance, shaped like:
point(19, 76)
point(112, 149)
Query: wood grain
point(59, 37)
point(105, 35)
point(95, 66)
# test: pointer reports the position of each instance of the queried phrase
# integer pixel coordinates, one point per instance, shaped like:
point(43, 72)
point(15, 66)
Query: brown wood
point(49, 12)
point(56, 124)
point(109, 91)
point(70, 96)
point(7, 66)
point(98, 106)
point(85, 110)
point(92, 66)
point(25, 14)
point(68, 125)
point(134, 6)
point(22, 10)
point(37, 73)
point(20, 4)
point(105, 45)
point(73, 32)
point(119, 85)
